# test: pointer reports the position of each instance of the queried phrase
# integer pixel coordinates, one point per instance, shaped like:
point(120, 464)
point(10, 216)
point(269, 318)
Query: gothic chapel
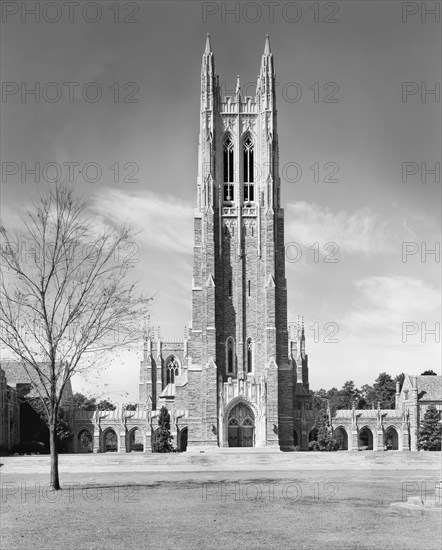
point(237, 379)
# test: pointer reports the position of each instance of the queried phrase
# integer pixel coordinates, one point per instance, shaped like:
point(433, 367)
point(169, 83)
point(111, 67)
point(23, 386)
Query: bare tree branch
point(64, 293)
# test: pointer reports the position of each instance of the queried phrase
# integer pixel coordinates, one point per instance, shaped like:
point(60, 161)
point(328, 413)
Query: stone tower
point(240, 375)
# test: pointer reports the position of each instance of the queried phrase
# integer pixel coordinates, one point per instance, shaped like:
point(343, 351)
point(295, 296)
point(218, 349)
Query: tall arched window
point(249, 194)
point(230, 355)
point(172, 370)
point(228, 168)
point(249, 355)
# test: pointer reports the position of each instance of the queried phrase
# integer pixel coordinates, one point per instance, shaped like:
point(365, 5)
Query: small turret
point(302, 340)
point(147, 346)
point(302, 358)
point(267, 45)
point(266, 80)
point(208, 77)
point(208, 45)
point(398, 393)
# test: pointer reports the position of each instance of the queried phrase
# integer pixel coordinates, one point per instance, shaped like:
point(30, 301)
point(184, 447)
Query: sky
point(117, 94)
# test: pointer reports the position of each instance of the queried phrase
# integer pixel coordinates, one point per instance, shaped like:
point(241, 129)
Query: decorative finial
point(238, 85)
point(267, 46)
point(208, 45)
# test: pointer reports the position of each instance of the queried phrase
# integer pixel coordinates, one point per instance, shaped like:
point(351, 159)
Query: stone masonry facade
point(239, 378)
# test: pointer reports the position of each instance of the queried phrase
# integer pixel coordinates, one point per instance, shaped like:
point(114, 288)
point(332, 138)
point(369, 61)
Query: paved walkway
point(226, 461)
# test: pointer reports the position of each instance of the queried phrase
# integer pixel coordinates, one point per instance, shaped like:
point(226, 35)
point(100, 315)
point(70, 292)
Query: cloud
point(164, 222)
point(372, 338)
point(360, 232)
point(385, 303)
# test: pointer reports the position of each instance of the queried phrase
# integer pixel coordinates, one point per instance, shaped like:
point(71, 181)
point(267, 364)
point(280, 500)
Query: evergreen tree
point(369, 397)
point(383, 390)
point(333, 397)
point(318, 398)
point(163, 439)
point(430, 433)
point(324, 440)
point(105, 405)
point(83, 402)
point(345, 397)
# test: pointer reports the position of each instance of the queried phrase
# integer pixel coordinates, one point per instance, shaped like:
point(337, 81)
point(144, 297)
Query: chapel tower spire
point(238, 339)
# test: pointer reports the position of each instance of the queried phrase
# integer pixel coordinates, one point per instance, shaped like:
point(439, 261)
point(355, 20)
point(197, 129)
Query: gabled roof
point(429, 388)
point(14, 372)
point(16, 375)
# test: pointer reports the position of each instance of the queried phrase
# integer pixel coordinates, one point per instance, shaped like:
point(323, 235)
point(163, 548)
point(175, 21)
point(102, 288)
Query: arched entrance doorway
point(84, 441)
point(341, 437)
point(110, 441)
point(241, 426)
point(183, 440)
point(136, 441)
point(391, 439)
point(365, 439)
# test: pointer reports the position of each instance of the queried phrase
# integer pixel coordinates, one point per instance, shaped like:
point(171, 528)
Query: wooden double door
point(241, 426)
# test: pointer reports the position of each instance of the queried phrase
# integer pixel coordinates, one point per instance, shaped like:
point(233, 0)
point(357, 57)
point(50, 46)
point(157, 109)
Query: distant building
point(9, 414)
point(19, 419)
point(395, 429)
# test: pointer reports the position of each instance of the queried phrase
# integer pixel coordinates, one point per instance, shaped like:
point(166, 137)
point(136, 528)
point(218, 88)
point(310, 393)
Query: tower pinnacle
point(208, 77)
point(238, 85)
point(208, 45)
point(267, 46)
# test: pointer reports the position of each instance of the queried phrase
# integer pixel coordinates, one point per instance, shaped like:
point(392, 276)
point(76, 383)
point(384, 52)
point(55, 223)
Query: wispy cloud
point(384, 303)
point(164, 222)
point(359, 232)
point(371, 338)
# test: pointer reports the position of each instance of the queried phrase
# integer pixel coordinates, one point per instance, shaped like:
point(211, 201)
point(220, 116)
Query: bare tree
point(65, 298)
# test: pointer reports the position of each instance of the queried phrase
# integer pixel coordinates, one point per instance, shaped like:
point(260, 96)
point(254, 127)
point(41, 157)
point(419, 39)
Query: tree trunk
point(55, 482)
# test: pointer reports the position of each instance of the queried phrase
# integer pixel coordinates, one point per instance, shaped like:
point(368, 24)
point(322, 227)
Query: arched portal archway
point(110, 441)
point(341, 437)
point(365, 439)
point(84, 441)
point(391, 439)
point(135, 441)
point(182, 439)
point(241, 426)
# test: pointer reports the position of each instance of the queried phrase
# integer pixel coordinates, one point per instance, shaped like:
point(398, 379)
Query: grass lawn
point(216, 510)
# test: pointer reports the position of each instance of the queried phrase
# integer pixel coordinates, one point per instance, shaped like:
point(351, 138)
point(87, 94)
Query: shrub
point(163, 438)
point(430, 433)
point(29, 447)
point(4, 451)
